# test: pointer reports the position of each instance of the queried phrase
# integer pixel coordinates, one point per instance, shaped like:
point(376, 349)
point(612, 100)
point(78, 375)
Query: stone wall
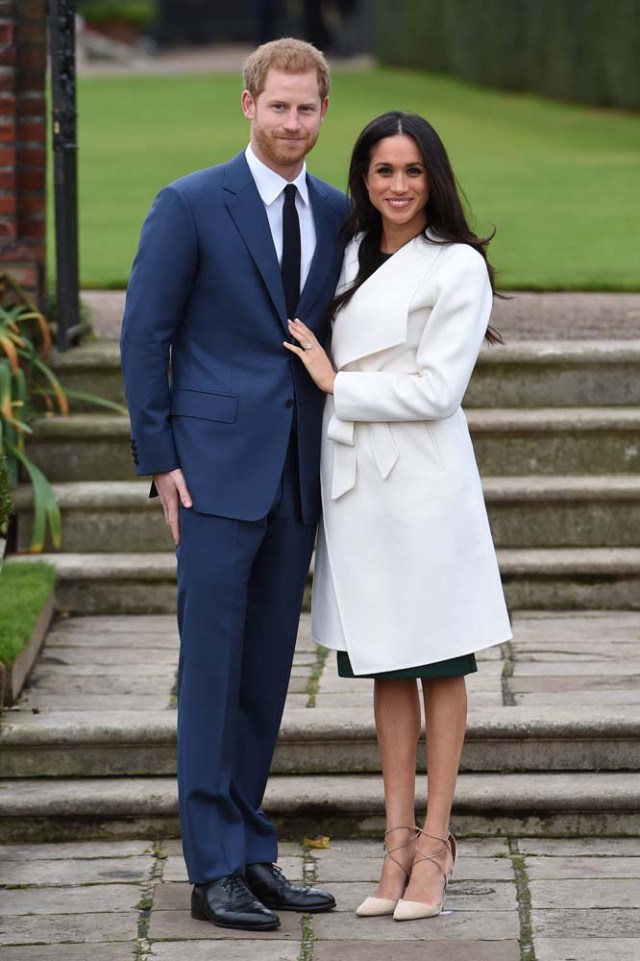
point(23, 64)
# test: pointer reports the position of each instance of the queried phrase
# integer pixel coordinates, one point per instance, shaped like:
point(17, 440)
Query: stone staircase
point(551, 747)
point(553, 727)
point(556, 429)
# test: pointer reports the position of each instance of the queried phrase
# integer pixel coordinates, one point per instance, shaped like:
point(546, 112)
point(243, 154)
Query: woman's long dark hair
point(445, 212)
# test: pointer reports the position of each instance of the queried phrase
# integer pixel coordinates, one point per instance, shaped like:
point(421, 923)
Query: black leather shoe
point(269, 884)
point(228, 903)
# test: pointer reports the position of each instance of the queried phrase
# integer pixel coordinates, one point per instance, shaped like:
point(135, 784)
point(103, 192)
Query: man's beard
point(274, 148)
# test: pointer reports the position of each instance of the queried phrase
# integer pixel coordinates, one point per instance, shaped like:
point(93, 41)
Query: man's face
point(285, 119)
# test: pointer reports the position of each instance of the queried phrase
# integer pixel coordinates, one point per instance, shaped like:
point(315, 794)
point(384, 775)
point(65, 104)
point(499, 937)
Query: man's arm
point(160, 284)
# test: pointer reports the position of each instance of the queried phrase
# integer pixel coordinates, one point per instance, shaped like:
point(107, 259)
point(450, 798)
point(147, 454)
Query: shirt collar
point(270, 184)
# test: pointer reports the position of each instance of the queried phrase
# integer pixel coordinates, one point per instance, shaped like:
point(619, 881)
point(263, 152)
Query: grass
point(560, 182)
point(23, 590)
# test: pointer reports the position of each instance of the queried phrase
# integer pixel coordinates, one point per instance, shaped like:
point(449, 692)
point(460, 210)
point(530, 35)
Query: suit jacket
point(205, 297)
point(405, 571)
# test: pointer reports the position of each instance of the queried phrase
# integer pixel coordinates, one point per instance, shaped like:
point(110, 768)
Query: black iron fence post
point(62, 36)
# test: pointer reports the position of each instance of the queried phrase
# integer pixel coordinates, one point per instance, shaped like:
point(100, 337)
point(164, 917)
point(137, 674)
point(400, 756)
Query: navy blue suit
point(241, 417)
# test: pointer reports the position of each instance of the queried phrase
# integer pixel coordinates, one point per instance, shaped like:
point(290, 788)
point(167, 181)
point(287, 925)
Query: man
point(227, 256)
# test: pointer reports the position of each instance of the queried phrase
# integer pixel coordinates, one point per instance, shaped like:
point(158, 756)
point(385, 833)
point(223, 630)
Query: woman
point(406, 583)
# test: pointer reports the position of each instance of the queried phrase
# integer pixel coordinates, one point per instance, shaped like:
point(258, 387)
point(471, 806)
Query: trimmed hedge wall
point(581, 50)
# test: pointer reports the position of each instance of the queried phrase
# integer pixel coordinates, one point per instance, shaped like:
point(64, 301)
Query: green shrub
point(586, 51)
point(136, 12)
point(23, 590)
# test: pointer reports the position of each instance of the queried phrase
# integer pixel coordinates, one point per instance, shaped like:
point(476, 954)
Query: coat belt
point(342, 433)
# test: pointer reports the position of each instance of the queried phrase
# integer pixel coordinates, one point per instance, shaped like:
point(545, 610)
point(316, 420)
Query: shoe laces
point(235, 884)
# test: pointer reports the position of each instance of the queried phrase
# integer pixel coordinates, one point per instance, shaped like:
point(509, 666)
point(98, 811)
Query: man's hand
point(172, 490)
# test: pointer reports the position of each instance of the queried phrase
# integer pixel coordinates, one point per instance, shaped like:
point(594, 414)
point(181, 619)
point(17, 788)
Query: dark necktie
point(290, 250)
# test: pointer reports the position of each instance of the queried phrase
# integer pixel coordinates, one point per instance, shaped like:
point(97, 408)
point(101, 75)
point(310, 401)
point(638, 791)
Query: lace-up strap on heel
point(389, 852)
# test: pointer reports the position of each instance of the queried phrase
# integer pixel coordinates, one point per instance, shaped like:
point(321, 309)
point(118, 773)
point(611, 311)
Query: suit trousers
point(240, 588)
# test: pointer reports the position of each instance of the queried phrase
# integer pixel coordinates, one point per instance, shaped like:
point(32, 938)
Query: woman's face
point(397, 183)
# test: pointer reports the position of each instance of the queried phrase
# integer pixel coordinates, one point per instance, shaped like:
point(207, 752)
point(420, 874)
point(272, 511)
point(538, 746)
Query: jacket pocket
point(204, 404)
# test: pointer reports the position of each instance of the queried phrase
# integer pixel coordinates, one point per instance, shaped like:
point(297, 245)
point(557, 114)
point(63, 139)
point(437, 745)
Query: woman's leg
point(446, 721)
point(397, 715)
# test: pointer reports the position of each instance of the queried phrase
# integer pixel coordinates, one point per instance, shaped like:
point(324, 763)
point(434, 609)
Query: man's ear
point(248, 105)
point(324, 106)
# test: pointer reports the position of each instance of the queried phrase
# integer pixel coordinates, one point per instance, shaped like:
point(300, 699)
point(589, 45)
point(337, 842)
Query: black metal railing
point(62, 35)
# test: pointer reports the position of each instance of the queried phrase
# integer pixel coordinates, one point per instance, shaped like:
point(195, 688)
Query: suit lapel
point(247, 211)
point(326, 227)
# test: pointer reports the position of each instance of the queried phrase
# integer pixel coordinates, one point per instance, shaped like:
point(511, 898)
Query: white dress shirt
point(271, 189)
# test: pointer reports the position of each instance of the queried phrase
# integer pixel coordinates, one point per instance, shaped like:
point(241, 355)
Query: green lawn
point(561, 183)
point(23, 590)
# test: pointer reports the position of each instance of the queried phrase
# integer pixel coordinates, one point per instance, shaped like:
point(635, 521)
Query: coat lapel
point(247, 211)
point(376, 317)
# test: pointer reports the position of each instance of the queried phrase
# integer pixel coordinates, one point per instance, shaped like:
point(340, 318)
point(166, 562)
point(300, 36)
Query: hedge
point(587, 51)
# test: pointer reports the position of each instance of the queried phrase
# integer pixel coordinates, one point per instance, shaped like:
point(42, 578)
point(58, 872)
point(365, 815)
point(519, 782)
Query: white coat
point(405, 571)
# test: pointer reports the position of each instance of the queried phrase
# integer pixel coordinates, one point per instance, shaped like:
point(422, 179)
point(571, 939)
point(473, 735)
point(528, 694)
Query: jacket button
point(288, 403)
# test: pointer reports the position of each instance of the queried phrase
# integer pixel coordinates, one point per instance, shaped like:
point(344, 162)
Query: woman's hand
point(312, 355)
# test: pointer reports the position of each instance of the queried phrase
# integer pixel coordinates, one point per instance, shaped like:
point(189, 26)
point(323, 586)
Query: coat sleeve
point(446, 354)
point(159, 288)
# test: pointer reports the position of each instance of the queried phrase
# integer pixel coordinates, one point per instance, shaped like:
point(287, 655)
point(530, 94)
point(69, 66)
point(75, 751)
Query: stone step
point(514, 442)
point(545, 579)
point(531, 805)
point(92, 368)
point(520, 374)
point(556, 441)
point(317, 741)
point(557, 374)
point(524, 512)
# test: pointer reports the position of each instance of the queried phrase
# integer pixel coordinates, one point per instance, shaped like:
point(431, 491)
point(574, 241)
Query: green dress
point(453, 667)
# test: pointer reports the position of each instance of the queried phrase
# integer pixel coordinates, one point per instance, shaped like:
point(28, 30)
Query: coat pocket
point(204, 404)
point(430, 432)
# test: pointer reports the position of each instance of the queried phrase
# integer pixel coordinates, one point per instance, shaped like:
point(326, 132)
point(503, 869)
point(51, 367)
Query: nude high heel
point(380, 907)
point(413, 910)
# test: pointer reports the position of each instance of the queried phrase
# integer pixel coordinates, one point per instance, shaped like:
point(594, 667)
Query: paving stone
point(586, 893)
point(142, 642)
point(496, 653)
point(43, 702)
point(300, 670)
point(587, 669)
point(558, 868)
point(84, 899)
point(576, 847)
point(608, 923)
point(578, 682)
point(566, 699)
point(84, 665)
point(179, 925)
point(417, 950)
point(461, 895)
point(450, 925)
point(81, 871)
point(258, 949)
point(119, 623)
point(102, 657)
point(78, 928)
point(131, 684)
point(584, 949)
point(73, 849)
point(341, 868)
point(70, 952)
point(175, 869)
